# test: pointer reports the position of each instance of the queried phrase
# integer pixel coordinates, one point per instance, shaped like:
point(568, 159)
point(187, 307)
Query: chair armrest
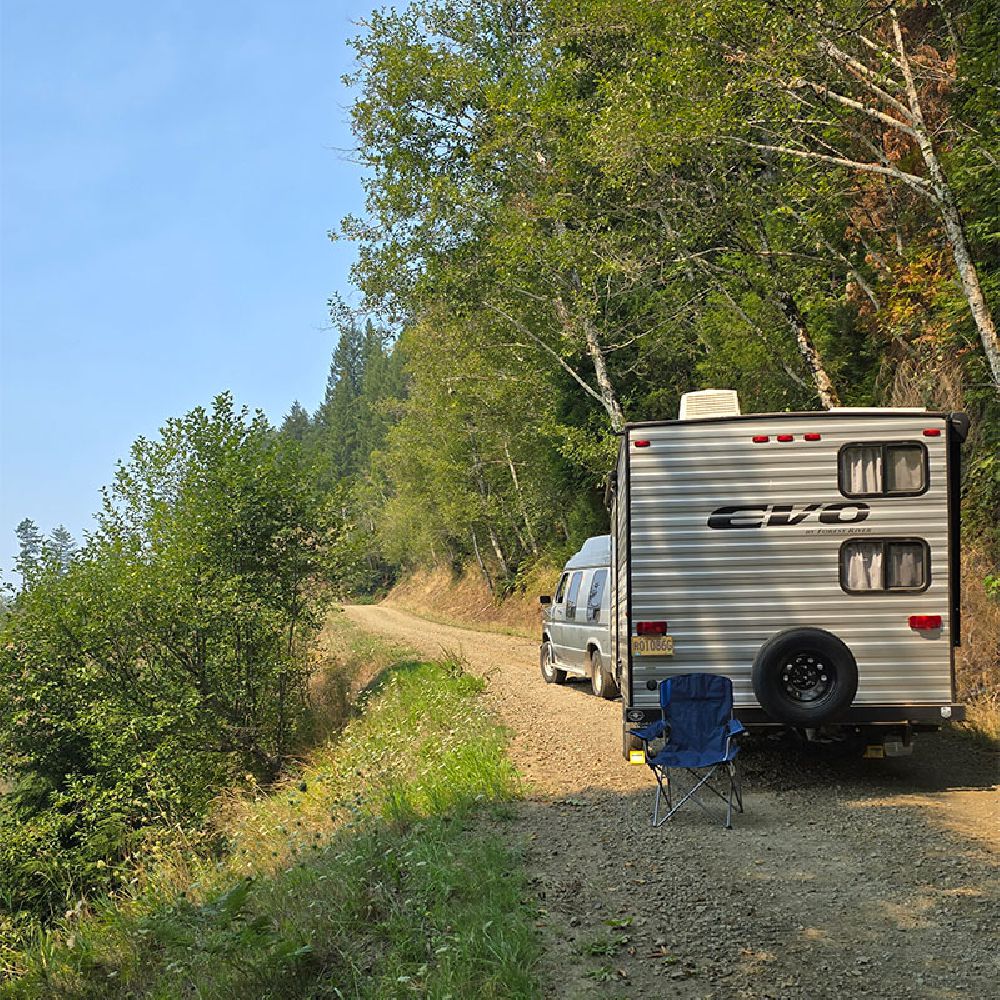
point(734, 727)
point(651, 732)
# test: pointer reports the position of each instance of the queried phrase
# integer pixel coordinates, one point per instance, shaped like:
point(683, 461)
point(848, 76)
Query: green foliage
point(166, 655)
point(574, 215)
point(387, 884)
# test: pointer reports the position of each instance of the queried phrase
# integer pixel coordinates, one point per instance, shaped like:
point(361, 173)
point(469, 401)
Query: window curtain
point(863, 470)
point(906, 567)
point(906, 470)
point(863, 566)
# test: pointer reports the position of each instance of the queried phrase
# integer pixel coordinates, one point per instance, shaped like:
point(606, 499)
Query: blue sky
point(169, 175)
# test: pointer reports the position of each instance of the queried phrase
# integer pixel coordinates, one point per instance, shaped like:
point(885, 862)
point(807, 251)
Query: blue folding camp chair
point(698, 727)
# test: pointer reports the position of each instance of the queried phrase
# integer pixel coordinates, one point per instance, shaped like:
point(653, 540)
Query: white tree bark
point(519, 493)
point(950, 215)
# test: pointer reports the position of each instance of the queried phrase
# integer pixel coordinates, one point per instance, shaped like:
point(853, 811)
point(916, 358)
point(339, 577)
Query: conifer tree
point(29, 557)
point(297, 424)
point(62, 546)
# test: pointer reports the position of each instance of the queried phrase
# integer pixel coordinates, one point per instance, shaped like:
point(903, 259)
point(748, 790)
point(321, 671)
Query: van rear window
point(574, 593)
point(595, 596)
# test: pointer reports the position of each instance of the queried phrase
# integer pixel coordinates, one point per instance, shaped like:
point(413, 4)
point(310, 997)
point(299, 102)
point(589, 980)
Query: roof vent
point(709, 403)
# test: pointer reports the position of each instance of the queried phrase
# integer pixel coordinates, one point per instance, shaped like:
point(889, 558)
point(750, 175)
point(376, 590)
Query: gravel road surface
point(843, 878)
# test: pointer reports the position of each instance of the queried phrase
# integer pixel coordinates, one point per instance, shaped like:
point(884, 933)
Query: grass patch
point(982, 721)
point(376, 871)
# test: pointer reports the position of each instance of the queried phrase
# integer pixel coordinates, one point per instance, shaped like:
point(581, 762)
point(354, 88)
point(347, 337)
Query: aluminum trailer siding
point(731, 530)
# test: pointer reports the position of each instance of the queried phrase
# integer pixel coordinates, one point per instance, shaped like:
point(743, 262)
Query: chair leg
point(664, 791)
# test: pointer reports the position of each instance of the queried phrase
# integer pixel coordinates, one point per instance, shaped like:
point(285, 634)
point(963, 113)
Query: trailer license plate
point(659, 645)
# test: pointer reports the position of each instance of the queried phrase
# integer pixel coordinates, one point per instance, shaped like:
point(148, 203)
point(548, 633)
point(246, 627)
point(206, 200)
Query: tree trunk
point(824, 386)
point(484, 493)
point(807, 348)
point(479, 559)
point(520, 501)
point(950, 216)
point(609, 398)
point(608, 395)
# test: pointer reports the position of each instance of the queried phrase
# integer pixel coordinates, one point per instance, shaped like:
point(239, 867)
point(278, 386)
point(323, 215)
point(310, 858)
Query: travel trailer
point(813, 558)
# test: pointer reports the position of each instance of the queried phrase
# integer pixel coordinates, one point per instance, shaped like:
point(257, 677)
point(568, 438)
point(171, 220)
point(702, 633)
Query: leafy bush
point(166, 655)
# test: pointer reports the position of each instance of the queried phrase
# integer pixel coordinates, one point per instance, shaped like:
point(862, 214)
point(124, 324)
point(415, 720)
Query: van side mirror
point(545, 599)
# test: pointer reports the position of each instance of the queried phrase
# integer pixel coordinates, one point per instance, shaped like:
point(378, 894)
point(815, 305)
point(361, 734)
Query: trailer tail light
point(641, 444)
point(812, 437)
point(760, 439)
point(650, 628)
point(925, 623)
point(786, 437)
point(932, 432)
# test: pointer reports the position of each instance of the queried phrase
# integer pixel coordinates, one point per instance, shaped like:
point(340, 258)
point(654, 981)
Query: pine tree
point(337, 417)
point(63, 546)
point(30, 554)
point(297, 423)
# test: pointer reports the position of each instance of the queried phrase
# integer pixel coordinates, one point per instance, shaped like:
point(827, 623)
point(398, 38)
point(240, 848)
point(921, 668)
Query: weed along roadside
point(382, 868)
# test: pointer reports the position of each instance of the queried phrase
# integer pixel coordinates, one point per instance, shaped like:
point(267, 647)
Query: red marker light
point(813, 437)
point(650, 628)
point(786, 437)
point(932, 432)
point(641, 444)
point(760, 439)
point(925, 623)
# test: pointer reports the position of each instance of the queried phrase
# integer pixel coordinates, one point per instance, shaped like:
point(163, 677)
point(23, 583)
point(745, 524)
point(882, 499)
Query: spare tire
point(805, 677)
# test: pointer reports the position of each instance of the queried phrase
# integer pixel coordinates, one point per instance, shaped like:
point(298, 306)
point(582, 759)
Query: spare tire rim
point(807, 678)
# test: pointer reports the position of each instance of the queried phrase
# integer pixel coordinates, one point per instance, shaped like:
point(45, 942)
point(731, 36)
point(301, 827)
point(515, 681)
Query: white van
point(575, 633)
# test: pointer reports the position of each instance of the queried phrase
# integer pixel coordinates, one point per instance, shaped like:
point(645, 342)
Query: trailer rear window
point(875, 565)
point(595, 595)
point(573, 595)
point(886, 468)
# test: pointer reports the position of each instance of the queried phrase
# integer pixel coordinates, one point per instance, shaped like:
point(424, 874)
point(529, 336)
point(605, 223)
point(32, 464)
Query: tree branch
point(848, 102)
point(864, 75)
point(917, 183)
point(545, 347)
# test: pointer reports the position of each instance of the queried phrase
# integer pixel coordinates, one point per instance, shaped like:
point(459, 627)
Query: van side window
point(561, 589)
point(883, 469)
point(872, 565)
point(574, 593)
point(595, 595)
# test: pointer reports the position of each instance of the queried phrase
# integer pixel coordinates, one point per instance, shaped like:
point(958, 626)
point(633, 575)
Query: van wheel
point(805, 677)
point(601, 681)
point(550, 672)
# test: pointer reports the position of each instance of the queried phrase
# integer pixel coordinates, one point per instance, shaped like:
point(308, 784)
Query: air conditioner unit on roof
point(709, 403)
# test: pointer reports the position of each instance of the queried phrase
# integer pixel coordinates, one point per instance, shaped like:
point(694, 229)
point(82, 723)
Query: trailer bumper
point(917, 716)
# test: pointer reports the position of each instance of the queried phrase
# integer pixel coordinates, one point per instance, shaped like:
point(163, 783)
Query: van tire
point(550, 672)
point(601, 681)
point(805, 677)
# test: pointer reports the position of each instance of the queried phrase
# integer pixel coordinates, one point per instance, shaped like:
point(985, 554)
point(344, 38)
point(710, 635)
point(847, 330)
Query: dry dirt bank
point(843, 878)
point(464, 599)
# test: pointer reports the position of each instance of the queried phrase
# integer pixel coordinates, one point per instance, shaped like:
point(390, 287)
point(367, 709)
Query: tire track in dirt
point(844, 878)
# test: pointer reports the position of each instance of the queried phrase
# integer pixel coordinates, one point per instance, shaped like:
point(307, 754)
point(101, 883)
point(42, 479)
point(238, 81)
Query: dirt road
point(842, 879)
